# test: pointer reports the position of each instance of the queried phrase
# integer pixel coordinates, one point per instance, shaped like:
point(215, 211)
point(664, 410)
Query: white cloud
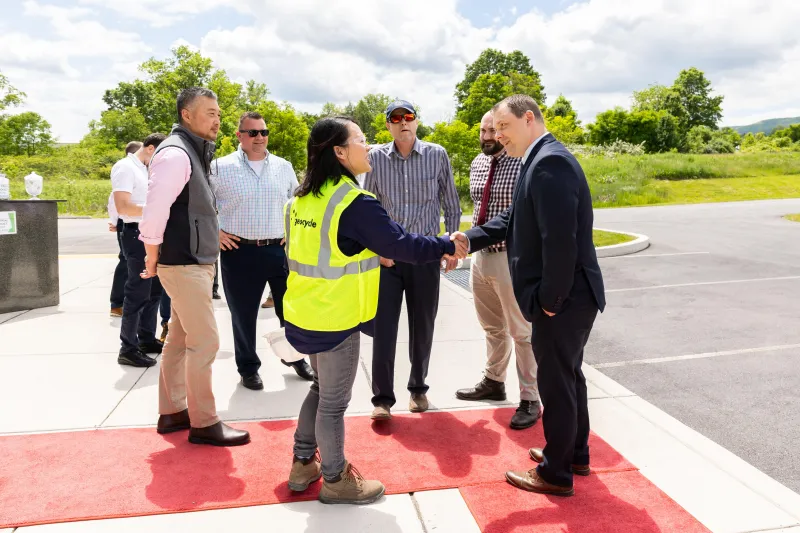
point(311, 51)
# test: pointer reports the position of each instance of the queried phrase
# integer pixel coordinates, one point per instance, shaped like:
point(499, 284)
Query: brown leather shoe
point(381, 412)
point(579, 470)
point(418, 403)
point(268, 303)
point(116, 312)
point(220, 434)
point(174, 422)
point(531, 482)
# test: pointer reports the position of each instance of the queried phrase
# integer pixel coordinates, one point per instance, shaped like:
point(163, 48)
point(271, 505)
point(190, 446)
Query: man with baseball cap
point(413, 181)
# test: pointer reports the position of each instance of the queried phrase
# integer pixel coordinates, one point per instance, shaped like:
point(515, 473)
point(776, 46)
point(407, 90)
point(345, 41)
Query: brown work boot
point(531, 482)
point(304, 472)
point(418, 403)
point(351, 488)
point(116, 312)
point(381, 412)
point(268, 303)
point(579, 470)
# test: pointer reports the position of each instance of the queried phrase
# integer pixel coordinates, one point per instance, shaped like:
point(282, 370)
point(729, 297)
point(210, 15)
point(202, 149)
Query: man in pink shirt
point(181, 234)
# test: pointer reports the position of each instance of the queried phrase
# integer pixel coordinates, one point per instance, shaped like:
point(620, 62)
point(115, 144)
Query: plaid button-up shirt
point(506, 173)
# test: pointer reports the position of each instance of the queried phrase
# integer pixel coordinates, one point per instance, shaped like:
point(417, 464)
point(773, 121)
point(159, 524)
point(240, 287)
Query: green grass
point(600, 238)
point(793, 218)
point(84, 197)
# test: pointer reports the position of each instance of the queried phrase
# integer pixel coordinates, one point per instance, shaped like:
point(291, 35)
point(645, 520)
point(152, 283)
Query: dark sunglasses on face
point(253, 133)
point(409, 117)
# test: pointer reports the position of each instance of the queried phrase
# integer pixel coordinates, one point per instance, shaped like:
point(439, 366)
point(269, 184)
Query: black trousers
point(120, 273)
point(142, 296)
point(558, 344)
point(245, 273)
point(421, 286)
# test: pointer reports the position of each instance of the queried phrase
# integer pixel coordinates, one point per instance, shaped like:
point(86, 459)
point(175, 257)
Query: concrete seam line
point(699, 283)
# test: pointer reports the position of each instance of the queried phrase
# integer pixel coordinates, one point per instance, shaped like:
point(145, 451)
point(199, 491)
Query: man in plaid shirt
point(492, 178)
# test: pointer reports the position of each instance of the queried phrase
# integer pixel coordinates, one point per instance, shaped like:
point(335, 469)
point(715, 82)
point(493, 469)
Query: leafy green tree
point(10, 96)
point(562, 121)
point(25, 134)
point(365, 110)
point(488, 89)
point(792, 132)
point(116, 128)
point(288, 133)
point(704, 140)
point(492, 61)
point(694, 90)
point(329, 109)
point(461, 141)
point(658, 130)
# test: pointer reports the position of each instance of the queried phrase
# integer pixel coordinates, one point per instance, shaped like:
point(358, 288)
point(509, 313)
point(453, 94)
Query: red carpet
point(62, 477)
point(604, 503)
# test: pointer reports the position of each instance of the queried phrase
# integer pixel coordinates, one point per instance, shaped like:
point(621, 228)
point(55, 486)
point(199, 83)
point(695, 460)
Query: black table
point(29, 258)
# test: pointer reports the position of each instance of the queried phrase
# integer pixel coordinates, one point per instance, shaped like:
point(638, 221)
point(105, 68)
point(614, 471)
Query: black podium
point(28, 254)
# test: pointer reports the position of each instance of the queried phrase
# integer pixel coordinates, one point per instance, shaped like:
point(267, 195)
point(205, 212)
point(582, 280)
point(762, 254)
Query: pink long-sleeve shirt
point(170, 170)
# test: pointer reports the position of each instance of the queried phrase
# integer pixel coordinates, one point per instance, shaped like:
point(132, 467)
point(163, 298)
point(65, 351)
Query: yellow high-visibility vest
point(327, 290)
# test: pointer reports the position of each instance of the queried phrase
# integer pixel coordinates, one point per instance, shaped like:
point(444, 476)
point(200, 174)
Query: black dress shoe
point(137, 358)
point(215, 295)
point(302, 368)
point(174, 422)
point(253, 382)
point(527, 414)
point(151, 347)
point(487, 389)
point(219, 434)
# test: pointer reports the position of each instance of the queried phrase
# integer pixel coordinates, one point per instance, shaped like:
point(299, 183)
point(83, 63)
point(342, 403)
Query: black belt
point(130, 224)
point(260, 242)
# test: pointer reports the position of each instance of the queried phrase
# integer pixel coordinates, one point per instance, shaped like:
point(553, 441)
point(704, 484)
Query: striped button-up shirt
point(251, 204)
point(506, 173)
point(414, 190)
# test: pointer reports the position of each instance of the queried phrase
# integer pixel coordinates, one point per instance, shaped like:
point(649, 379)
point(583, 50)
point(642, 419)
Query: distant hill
point(766, 125)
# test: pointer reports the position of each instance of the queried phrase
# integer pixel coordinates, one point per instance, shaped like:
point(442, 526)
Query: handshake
point(462, 249)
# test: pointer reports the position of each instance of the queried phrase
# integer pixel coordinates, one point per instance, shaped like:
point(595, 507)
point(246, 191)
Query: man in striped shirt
point(413, 180)
point(492, 178)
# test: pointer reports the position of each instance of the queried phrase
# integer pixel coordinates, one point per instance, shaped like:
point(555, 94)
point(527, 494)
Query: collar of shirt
point(532, 146)
point(137, 162)
point(244, 158)
point(418, 147)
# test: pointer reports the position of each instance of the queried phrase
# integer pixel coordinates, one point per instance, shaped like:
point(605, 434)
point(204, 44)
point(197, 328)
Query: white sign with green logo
point(8, 222)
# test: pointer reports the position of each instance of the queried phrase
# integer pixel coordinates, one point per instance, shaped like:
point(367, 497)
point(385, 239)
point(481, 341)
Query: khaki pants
point(191, 345)
point(501, 319)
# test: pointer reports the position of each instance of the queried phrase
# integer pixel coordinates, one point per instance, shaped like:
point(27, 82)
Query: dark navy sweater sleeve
point(366, 224)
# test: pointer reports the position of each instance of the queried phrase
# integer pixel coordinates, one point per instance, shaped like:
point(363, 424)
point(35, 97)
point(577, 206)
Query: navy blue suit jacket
point(548, 229)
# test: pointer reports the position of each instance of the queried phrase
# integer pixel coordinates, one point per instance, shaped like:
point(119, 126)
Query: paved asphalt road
point(715, 301)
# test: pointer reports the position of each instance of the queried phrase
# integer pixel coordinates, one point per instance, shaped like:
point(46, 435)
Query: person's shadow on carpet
point(593, 508)
point(451, 441)
point(179, 484)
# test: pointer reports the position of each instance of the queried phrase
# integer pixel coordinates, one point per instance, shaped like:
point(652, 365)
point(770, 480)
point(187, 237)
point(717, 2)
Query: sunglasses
point(396, 119)
point(254, 133)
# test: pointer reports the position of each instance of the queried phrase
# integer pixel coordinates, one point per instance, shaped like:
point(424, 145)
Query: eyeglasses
point(254, 133)
point(358, 140)
point(408, 117)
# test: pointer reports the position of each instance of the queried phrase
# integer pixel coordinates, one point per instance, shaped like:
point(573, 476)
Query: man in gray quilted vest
point(181, 234)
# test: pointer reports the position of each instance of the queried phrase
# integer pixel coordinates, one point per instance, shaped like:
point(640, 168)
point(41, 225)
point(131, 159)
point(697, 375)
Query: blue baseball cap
point(399, 104)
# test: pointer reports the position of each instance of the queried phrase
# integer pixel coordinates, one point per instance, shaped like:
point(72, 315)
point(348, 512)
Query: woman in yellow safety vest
point(336, 233)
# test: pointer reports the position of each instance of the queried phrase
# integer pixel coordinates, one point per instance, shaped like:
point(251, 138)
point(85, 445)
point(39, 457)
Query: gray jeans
point(322, 415)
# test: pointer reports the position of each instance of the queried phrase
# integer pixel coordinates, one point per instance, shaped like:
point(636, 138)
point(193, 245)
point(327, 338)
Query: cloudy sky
point(65, 53)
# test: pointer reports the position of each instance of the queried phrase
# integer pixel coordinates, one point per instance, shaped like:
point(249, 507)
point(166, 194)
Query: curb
point(639, 243)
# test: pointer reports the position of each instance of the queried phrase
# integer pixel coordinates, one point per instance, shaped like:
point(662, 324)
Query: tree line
point(682, 117)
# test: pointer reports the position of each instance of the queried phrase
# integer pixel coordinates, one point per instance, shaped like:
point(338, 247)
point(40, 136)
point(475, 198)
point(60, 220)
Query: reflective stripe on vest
point(323, 268)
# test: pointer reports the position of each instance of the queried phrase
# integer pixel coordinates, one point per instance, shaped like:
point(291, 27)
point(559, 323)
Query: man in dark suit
point(557, 283)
